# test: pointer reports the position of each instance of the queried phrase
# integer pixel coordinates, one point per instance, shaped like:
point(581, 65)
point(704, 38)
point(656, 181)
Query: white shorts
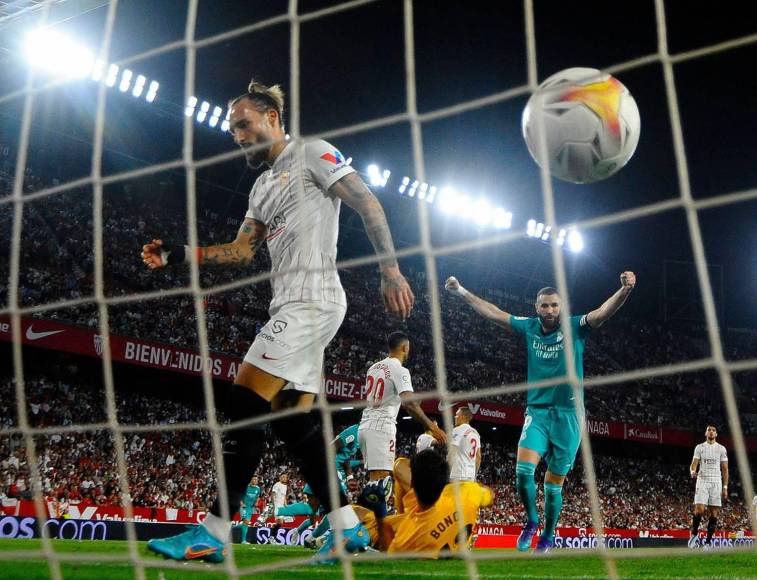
point(291, 344)
point(709, 492)
point(378, 449)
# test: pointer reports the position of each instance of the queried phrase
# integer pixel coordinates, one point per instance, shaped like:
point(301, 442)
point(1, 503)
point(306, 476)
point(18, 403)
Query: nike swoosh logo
point(266, 357)
point(442, 406)
point(190, 553)
point(31, 335)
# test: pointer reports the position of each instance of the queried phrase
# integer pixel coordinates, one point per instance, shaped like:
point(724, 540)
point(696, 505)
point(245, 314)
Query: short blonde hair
point(264, 98)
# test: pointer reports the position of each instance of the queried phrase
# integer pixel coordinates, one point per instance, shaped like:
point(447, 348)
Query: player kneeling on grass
point(428, 520)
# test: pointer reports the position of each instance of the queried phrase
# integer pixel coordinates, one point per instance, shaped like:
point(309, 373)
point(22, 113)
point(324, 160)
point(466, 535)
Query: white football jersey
point(710, 455)
point(384, 382)
point(462, 453)
point(425, 441)
point(279, 494)
point(302, 217)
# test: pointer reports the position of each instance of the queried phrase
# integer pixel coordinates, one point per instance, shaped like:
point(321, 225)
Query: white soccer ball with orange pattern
point(589, 123)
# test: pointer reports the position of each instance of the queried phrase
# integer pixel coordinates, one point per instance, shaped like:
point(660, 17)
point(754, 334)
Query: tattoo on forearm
point(226, 254)
point(377, 229)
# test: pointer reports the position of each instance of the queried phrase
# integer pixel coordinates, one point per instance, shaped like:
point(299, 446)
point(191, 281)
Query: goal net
point(121, 199)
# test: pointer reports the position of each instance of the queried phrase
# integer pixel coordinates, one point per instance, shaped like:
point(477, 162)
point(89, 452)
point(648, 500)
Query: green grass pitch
point(718, 565)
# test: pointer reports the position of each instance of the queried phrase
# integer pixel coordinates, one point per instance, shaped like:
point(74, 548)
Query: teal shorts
point(246, 513)
point(554, 434)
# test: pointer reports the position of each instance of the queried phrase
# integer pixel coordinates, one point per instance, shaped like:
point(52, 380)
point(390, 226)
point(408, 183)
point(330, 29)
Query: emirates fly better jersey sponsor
point(546, 358)
point(292, 200)
point(385, 381)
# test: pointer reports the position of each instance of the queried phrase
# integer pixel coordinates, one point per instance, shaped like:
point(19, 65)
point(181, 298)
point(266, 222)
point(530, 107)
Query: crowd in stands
point(57, 260)
point(174, 469)
point(177, 468)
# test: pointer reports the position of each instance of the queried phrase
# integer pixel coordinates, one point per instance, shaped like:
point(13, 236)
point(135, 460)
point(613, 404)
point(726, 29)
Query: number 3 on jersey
point(473, 447)
point(374, 395)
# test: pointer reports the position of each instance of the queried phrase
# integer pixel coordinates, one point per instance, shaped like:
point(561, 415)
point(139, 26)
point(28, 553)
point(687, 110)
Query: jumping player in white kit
point(389, 388)
point(712, 484)
point(465, 448)
point(293, 208)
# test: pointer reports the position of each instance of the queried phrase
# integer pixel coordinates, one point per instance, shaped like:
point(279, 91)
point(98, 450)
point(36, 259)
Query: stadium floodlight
point(385, 177)
point(152, 92)
point(215, 116)
point(97, 70)
point(139, 86)
point(413, 188)
point(431, 194)
point(374, 175)
point(403, 185)
point(423, 190)
point(464, 206)
point(225, 127)
point(57, 54)
point(110, 80)
point(561, 237)
point(502, 219)
point(448, 199)
point(482, 212)
point(575, 241)
point(531, 228)
point(189, 110)
point(203, 112)
point(125, 80)
point(539, 230)
point(545, 235)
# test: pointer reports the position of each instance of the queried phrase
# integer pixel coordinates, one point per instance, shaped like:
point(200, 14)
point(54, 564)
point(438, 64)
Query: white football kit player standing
point(279, 495)
point(463, 453)
point(385, 381)
point(709, 479)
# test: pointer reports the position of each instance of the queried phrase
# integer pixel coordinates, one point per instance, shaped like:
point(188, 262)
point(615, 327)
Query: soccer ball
point(590, 123)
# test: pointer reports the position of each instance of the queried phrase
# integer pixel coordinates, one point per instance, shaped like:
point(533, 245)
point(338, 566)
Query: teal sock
point(295, 509)
point(552, 508)
point(244, 533)
point(304, 525)
point(526, 486)
point(322, 527)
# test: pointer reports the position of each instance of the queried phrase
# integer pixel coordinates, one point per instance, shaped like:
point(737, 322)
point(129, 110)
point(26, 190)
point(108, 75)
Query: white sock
point(217, 527)
point(343, 518)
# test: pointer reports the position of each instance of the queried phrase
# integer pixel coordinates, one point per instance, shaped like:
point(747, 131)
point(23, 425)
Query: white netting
point(430, 252)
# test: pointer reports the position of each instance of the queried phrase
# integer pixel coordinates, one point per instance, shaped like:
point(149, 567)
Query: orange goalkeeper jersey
point(435, 529)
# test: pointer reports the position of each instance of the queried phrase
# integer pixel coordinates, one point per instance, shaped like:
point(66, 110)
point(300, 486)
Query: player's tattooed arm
point(398, 297)
point(598, 317)
point(242, 250)
point(416, 412)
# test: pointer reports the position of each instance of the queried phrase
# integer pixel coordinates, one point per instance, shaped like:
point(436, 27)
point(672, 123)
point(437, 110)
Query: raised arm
point(396, 292)
point(598, 317)
point(484, 308)
point(250, 237)
point(417, 413)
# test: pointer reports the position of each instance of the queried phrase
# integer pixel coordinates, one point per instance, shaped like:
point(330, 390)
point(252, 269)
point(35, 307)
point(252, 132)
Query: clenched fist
point(628, 280)
point(452, 285)
point(152, 254)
